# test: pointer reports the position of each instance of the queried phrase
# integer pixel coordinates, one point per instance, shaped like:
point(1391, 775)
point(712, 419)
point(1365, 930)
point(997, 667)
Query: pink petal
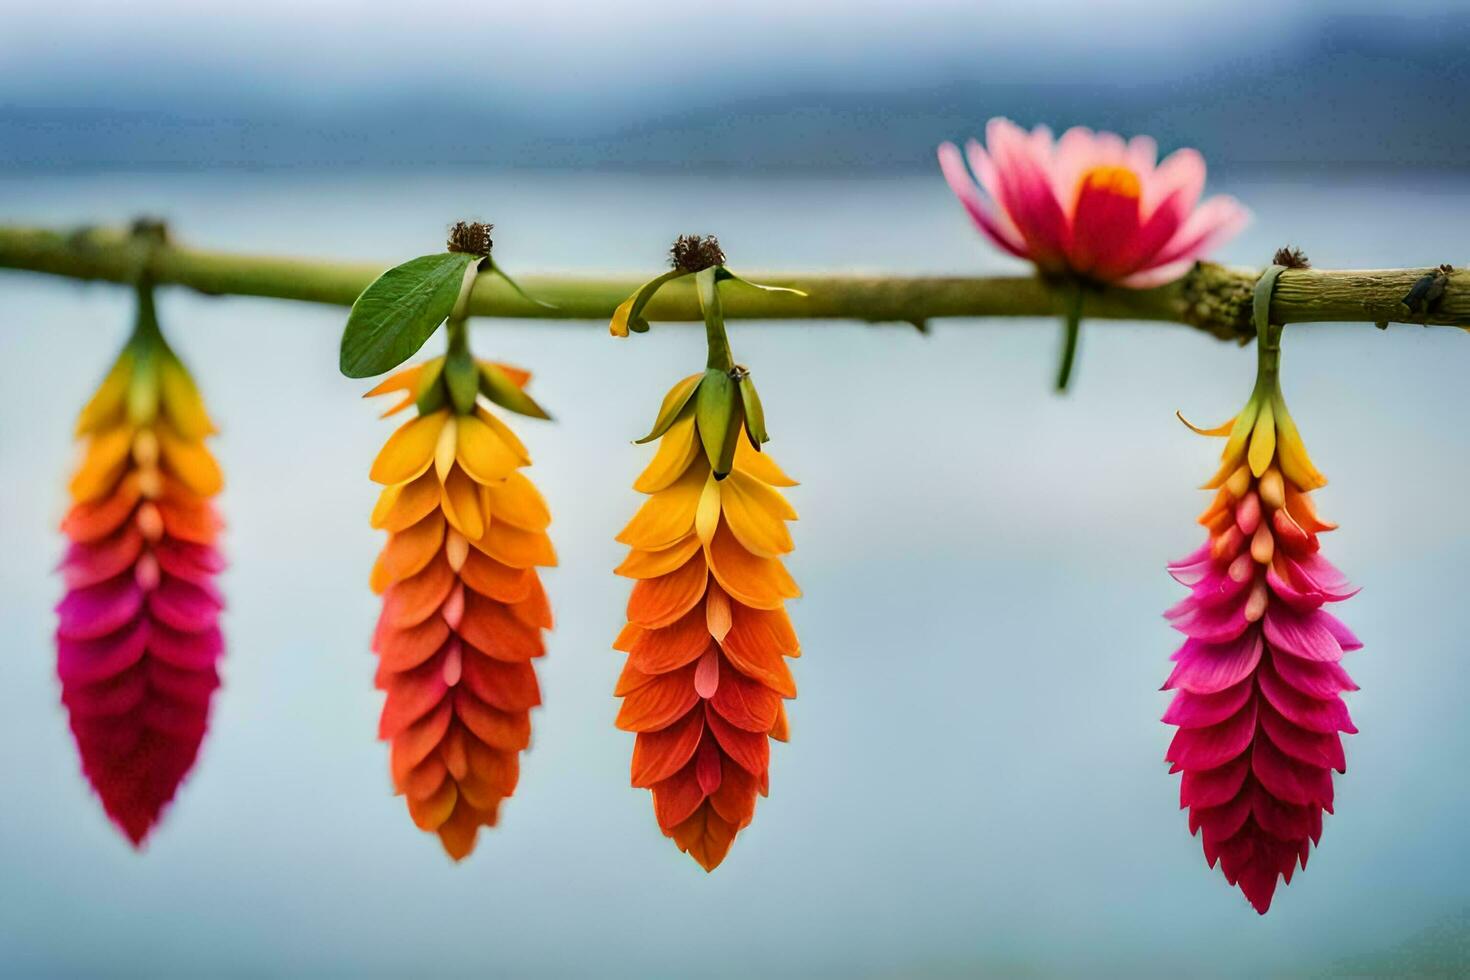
point(1026, 195)
point(1301, 634)
point(87, 661)
point(1206, 748)
point(1218, 219)
point(959, 181)
point(98, 609)
point(1204, 668)
point(1213, 787)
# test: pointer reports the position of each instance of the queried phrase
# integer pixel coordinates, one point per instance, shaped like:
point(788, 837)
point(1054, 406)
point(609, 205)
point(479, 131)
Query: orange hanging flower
point(138, 637)
point(463, 607)
point(707, 635)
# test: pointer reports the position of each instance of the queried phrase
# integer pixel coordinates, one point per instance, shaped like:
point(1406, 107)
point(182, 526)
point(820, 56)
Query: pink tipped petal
point(1159, 275)
point(1217, 220)
point(1026, 195)
point(959, 181)
point(1181, 175)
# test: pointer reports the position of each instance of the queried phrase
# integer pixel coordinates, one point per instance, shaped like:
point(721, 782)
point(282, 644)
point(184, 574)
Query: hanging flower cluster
point(1258, 680)
point(463, 607)
point(707, 632)
point(138, 637)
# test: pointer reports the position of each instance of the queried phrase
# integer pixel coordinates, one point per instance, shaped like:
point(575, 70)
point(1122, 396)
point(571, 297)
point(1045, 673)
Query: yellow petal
point(103, 464)
point(676, 450)
point(517, 501)
point(410, 449)
point(707, 515)
point(1234, 451)
point(1263, 441)
point(759, 465)
point(668, 515)
point(1220, 430)
point(757, 515)
point(462, 504)
point(1296, 465)
point(190, 462)
point(181, 401)
point(108, 403)
point(505, 432)
point(404, 504)
point(482, 452)
point(446, 448)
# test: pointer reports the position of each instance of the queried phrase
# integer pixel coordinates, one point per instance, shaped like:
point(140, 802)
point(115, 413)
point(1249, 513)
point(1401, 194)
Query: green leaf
point(629, 314)
point(393, 317)
point(755, 416)
point(498, 387)
point(723, 274)
point(497, 270)
point(673, 406)
point(714, 411)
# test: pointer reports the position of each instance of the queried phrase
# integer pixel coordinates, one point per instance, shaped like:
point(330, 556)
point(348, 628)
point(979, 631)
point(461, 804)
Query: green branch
point(1211, 298)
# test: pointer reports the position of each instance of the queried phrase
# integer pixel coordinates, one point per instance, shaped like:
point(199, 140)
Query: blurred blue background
point(974, 782)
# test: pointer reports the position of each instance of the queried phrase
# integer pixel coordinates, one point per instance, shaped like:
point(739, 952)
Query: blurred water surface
point(974, 780)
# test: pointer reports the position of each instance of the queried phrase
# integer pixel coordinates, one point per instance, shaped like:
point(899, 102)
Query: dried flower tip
point(692, 253)
point(1292, 258)
point(150, 228)
point(470, 237)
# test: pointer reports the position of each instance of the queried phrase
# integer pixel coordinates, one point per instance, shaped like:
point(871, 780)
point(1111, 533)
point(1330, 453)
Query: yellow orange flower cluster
point(463, 606)
point(707, 634)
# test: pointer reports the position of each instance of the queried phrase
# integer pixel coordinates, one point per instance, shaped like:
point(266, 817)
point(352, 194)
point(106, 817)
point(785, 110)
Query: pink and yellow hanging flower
point(1090, 208)
point(138, 636)
point(1259, 679)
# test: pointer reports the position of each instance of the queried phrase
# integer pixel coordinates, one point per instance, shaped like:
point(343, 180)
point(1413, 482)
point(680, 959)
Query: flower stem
point(1072, 328)
point(720, 356)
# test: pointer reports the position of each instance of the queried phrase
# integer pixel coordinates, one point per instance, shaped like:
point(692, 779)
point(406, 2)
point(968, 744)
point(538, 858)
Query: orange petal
point(751, 580)
point(408, 551)
point(96, 519)
point(190, 462)
point(103, 464)
point(757, 645)
point(657, 755)
point(490, 628)
point(418, 597)
point(507, 730)
point(706, 837)
point(659, 703)
point(495, 579)
point(405, 649)
point(658, 602)
point(657, 651)
point(652, 564)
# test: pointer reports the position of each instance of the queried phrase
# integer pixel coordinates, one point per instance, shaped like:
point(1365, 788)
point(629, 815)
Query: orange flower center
point(1109, 179)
